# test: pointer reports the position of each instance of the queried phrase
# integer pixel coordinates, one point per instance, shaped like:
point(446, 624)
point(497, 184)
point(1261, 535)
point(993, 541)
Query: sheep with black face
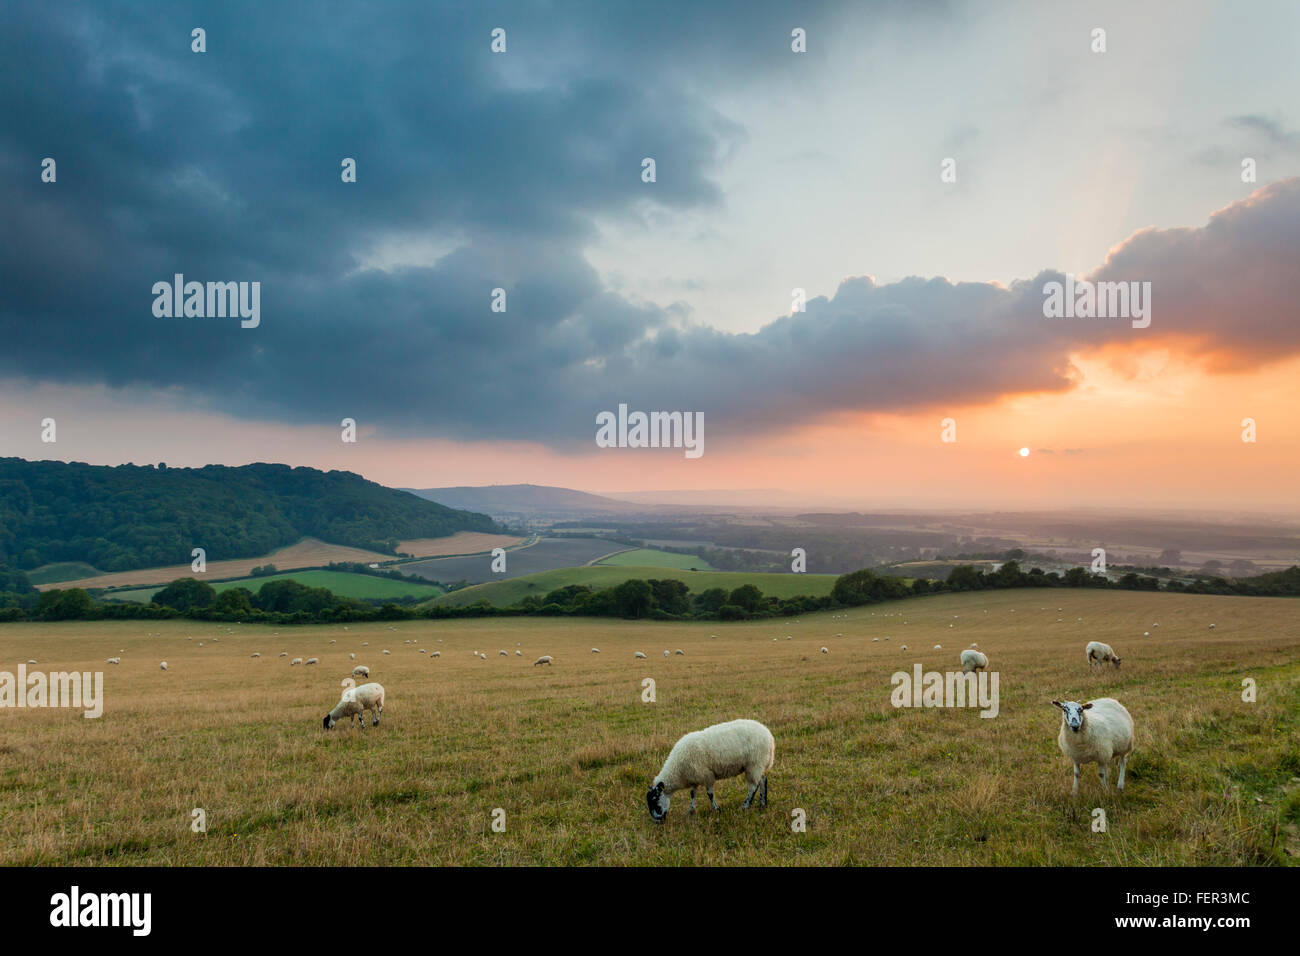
point(1099, 732)
point(355, 702)
point(702, 757)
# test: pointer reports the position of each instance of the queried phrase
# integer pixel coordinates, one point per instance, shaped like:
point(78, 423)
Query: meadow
point(653, 558)
point(342, 583)
point(567, 752)
point(513, 590)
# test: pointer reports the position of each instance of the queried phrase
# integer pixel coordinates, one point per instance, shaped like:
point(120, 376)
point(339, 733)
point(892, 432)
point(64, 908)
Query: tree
point(710, 600)
point(632, 598)
point(185, 593)
point(747, 597)
point(234, 601)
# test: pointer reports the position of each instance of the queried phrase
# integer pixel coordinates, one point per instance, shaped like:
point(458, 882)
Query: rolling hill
point(524, 499)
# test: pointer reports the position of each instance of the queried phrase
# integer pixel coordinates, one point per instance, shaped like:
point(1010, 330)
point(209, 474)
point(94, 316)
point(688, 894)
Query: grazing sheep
point(200, 643)
point(361, 670)
point(436, 654)
point(544, 659)
point(702, 757)
point(665, 653)
point(333, 641)
point(352, 657)
point(1211, 627)
point(973, 661)
point(355, 702)
point(595, 650)
point(904, 647)
point(680, 651)
point(423, 651)
point(310, 661)
point(938, 647)
point(365, 643)
point(296, 660)
point(639, 654)
point(974, 645)
point(875, 640)
point(519, 653)
point(1099, 653)
point(162, 666)
point(383, 652)
point(824, 651)
point(111, 660)
point(255, 655)
point(284, 653)
point(1096, 732)
point(502, 654)
point(31, 662)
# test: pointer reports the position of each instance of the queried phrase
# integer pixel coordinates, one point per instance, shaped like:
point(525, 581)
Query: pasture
point(568, 751)
point(342, 583)
point(653, 558)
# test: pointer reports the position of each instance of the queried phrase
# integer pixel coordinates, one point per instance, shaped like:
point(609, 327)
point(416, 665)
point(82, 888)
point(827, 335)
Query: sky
point(825, 170)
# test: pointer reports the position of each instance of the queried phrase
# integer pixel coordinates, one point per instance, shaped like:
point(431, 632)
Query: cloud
point(475, 174)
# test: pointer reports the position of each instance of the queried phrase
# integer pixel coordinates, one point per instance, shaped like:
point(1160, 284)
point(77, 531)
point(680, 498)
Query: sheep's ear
point(1057, 703)
point(1088, 706)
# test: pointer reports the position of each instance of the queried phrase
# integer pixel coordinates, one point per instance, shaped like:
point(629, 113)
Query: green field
point(566, 752)
point(512, 590)
point(342, 583)
point(652, 558)
point(63, 571)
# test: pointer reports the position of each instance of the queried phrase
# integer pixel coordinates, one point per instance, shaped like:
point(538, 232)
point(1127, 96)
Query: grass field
point(510, 591)
point(651, 558)
point(62, 571)
point(568, 751)
point(307, 553)
point(342, 583)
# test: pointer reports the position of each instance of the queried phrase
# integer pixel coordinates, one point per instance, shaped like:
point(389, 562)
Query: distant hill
point(127, 517)
point(524, 499)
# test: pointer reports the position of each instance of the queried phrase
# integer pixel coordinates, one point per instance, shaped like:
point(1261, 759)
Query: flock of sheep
point(1099, 731)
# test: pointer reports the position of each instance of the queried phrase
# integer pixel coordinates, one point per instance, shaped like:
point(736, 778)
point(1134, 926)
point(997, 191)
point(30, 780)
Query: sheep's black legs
point(753, 789)
point(692, 799)
point(714, 803)
point(763, 800)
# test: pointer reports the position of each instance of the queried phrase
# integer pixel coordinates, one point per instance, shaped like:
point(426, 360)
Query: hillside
point(523, 499)
point(126, 517)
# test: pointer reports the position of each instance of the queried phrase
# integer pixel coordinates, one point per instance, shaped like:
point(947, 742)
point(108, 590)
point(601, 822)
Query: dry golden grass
point(462, 542)
point(568, 751)
point(307, 553)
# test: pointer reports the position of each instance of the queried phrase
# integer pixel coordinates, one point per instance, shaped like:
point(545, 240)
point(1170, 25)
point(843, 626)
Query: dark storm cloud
point(225, 166)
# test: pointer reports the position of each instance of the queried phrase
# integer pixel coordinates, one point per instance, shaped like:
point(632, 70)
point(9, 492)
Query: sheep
point(355, 702)
point(1103, 735)
point(875, 640)
point(310, 661)
point(162, 666)
point(595, 650)
point(519, 653)
point(383, 652)
point(825, 651)
point(296, 660)
point(113, 660)
point(938, 647)
point(1099, 653)
point(904, 647)
point(1211, 627)
point(544, 659)
point(665, 653)
point(352, 657)
point(30, 663)
point(423, 651)
point(974, 645)
point(639, 655)
point(284, 653)
point(333, 641)
point(973, 661)
point(502, 654)
point(361, 670)
point(254, 655)
point(436, 654)
point(680, 651)
point(702, 757)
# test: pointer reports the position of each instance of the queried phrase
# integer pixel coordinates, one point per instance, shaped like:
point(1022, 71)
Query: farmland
point(342, 583)
point(505, 593)
point(547, 554)
point(651, 558)
point(567, 752)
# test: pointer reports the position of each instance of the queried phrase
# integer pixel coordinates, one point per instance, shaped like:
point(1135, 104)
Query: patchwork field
point(651, 558)
point(307, 553)
point(546, 555)
point(505, 593)
point(342, 583)
point(568, 751)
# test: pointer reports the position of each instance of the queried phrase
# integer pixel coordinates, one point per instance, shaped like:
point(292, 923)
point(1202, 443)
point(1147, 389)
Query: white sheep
point(502, 654)
point(938, 647)
point(113, 660)
point(638, 654)
point(361, 670)
point(284, 653)
point(355, 702)
point(904, 647)
point(544, 659)
point(162, 666)
point(436, 654)
point(1096, 732)
point(519, 653)
point(595, 650)
point(254, 655)
point(825, 651)
point(383, 652)
point(1099, 653)
point(310, 661)
point(352, 657)
point(296, 660)
point(875, 640)
point(974, 645)
point(665, 653)
point(680, 651)
point(973, 661)
point(702, 757)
